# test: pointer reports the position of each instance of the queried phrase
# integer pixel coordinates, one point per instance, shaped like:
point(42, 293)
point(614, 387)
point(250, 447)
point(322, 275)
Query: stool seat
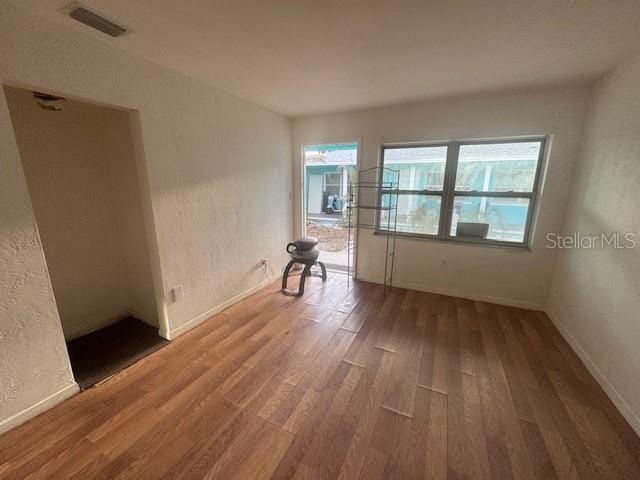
point(305, 252)
point(306, 243)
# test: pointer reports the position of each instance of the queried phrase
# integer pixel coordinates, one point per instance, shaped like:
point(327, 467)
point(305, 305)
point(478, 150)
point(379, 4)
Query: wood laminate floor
point(410, 386)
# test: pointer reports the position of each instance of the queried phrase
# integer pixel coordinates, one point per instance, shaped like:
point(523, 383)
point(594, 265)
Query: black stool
point(305, 252)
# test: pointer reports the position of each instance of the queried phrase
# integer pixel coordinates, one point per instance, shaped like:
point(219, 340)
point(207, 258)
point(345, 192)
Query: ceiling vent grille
point(94, 20)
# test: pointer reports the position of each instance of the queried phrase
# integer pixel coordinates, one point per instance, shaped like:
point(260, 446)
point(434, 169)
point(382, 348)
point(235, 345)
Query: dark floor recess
point(100, 354)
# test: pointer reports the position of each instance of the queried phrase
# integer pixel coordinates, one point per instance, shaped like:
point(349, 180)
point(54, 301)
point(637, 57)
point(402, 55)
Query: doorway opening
point(80, 164)
point(328, 168)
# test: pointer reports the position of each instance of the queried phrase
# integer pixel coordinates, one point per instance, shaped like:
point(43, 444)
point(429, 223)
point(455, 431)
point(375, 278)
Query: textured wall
point(219, 177)
point(33, 357)
point(80, 170)
point(124, 180)
point(501, 274)
point(595, 294)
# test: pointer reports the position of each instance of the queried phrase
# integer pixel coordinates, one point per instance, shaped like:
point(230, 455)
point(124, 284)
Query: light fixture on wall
point(49, 102)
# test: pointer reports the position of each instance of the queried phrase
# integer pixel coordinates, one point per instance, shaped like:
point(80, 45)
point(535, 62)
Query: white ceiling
point(310, 56)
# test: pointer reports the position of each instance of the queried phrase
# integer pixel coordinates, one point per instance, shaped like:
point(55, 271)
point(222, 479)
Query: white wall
point(123, 177)
point(33, 358)
point(496, 274)
point(595, 294)
point(219, 175)
point(80, 168)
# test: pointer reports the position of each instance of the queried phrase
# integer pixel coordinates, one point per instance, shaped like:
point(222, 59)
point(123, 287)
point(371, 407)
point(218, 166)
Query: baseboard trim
point(208, 314)
point(470, 296)
point(164, 333)
point(36, 409)
point(618, 400)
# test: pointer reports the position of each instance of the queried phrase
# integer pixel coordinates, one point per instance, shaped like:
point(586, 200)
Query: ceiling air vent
point(94, 20)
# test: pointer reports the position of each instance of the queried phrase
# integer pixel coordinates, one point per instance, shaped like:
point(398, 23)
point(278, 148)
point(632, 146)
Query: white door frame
point(301, 189)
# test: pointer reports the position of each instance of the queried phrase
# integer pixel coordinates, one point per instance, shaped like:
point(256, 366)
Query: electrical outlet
point(177, 292)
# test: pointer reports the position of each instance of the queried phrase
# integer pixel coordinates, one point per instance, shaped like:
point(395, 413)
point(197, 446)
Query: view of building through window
point(327, 171)
point(422, 171)
point(491, 198)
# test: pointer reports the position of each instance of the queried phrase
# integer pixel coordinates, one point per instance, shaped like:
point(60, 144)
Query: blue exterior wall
point(319, 170)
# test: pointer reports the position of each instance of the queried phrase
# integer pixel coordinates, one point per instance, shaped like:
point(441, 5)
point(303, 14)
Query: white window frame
point(340, 184)
point(448, 192)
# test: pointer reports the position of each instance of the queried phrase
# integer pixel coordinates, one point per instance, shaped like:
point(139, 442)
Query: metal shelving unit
point(372, 204)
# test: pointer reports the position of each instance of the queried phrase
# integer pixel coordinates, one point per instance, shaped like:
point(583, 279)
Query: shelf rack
point(372, 204)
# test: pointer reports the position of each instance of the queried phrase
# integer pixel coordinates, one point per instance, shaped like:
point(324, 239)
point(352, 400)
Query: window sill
point(425, 238)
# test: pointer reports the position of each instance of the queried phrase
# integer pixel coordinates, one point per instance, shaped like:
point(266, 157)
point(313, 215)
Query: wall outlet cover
point(177, 292)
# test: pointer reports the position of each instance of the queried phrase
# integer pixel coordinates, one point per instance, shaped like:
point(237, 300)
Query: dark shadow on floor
point(100, 354)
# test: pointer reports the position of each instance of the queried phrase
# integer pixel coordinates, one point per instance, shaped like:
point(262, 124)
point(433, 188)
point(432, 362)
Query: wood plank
point(327, 451)
point(364, 409)
point(508, 451)
point(540, 459)
point(435, 404)
point(403, 381)
point(341, 384)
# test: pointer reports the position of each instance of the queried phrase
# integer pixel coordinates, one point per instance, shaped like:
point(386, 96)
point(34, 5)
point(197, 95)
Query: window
point(482, 191)
point(333, 183)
